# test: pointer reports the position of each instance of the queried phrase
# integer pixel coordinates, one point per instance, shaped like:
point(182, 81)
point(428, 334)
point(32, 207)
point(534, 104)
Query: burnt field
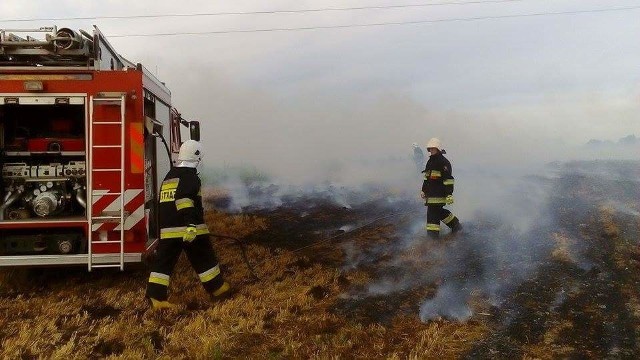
point(552, 272)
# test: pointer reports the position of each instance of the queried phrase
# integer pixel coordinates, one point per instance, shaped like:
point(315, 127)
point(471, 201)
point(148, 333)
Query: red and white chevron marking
point(133, 204)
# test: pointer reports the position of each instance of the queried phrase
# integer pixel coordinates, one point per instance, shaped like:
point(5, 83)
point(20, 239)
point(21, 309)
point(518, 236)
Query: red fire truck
point(82, 143)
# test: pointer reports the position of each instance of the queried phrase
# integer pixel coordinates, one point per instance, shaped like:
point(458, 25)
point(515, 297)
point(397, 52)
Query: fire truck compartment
point(54, 241)
point(52, 128)
point(42, 156)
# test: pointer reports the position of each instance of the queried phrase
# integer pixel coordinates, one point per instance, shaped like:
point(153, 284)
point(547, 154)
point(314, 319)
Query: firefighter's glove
point(190, 233)
point(423, 195)
point(449, 199)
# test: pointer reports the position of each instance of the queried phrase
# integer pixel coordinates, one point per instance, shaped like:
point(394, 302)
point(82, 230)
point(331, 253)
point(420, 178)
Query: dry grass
point(607, 222)
point(562, 250)
point(66, 314)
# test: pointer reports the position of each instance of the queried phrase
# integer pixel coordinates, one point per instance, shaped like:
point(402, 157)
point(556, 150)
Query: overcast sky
point(493, 87)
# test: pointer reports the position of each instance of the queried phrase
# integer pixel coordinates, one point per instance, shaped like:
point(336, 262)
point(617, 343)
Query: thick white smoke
point(357, 138)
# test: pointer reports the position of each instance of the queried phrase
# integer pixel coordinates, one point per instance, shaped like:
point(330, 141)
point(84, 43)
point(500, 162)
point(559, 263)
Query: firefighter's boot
point(456, 227)
point(223, 292)
point(453, 223)
point(158, 304)
point(433, 230)
point(433, 235)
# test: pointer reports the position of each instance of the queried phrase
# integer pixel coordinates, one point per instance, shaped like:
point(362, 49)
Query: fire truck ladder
point(107, 99)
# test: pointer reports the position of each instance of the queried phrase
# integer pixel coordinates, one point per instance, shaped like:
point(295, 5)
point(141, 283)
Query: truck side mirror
point(194, 130)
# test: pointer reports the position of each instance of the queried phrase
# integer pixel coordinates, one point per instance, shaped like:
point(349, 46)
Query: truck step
point(106, 242)
point(105, 266)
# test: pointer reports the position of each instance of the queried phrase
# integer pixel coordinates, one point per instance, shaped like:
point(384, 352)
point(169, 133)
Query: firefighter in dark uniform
point(437, 190)
point(182, 227)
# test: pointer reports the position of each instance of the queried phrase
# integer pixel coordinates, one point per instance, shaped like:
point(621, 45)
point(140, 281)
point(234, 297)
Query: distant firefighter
point(437, 190)
point(418, 157)
point(182, 227)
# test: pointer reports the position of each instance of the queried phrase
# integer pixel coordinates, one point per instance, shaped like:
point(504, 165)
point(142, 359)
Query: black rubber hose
point(243, 251)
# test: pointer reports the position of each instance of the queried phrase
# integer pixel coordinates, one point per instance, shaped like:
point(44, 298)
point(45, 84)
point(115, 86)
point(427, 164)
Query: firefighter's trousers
point(437, 213)
point(201, 255)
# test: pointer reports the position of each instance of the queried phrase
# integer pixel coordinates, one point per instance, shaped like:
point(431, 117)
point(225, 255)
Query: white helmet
point(434, 143)
point(190, 152)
